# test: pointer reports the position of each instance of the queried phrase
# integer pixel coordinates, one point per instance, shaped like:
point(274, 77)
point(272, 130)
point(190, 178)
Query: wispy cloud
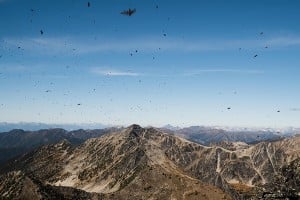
point(295, 109)
point(230, 71)
point(284, 41)
point(13, 68)
point(113, 72)
point(44, 45)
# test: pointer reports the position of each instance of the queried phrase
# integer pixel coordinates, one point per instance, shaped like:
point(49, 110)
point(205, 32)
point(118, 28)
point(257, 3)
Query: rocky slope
point(138, 163)
point(126, 165)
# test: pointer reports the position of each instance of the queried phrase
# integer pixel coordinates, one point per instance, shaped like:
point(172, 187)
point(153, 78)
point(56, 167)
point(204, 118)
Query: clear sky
point(171, 62)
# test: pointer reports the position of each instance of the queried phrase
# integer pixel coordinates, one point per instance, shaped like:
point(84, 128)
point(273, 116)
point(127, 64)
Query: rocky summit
point(146, 163)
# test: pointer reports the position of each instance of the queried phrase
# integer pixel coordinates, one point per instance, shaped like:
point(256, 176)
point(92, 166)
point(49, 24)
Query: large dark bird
point(128, 12)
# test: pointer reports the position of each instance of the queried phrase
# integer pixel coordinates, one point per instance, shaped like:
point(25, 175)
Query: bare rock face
point(138, 163)
point(284, 185)
point(239, 171)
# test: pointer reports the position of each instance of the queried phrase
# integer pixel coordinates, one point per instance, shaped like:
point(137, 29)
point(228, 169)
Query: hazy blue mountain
point(211, 135)
point(32, 126)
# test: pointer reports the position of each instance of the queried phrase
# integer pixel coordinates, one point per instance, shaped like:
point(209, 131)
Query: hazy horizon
point(93, 125)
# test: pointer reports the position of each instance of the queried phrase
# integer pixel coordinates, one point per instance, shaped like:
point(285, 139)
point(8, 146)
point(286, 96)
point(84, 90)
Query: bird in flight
point(255, 55)
point(42, 32)
point(128, 12)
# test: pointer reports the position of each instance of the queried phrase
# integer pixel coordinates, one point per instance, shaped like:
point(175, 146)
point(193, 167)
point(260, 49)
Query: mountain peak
point(134, 130)
point(134, 126)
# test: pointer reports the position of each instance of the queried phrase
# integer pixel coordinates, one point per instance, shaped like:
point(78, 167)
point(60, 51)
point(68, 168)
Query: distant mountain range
point(32, 126)
point(147, 163)
point(210, 135)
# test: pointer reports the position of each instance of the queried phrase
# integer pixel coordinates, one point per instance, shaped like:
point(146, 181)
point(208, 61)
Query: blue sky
point(194, 59)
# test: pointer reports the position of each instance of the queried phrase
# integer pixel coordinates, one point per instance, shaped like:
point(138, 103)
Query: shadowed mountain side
point(17, 142)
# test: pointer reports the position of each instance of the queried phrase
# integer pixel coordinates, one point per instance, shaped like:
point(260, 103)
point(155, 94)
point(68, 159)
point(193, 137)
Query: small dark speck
point(278, 111)
point(89, 4)
point(79, 104)
point(42, 32)
point(255, 55)
point(228, 108)
point(136, 51)
point(156, 6)
point(261, 33)
point(165, 34)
